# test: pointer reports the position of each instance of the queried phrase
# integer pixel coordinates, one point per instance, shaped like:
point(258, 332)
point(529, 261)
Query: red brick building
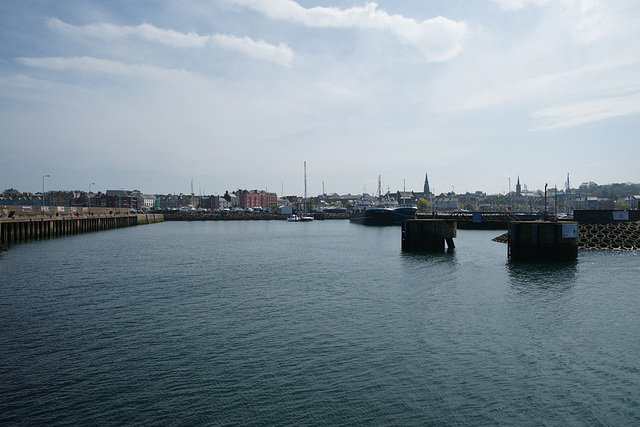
point(255, 199)
point(121, 199)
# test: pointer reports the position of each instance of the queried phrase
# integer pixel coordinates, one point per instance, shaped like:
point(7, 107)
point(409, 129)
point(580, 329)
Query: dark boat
point(372, 216)
point(403, 212)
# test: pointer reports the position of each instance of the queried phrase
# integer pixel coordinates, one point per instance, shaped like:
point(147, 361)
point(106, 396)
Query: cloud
point(439, 38)
point(519, 4)
point(259, 49)
point(585, 18)
point(576, 114)
point(95, 65)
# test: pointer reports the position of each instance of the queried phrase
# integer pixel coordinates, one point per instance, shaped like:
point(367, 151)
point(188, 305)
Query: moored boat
point(402, 213)
point(372, 216)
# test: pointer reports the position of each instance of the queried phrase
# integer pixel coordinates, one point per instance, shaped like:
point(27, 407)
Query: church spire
point(426, 184)
point(518, 188)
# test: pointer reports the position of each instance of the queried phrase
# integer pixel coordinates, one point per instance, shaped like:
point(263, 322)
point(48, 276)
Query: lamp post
point(43, 177)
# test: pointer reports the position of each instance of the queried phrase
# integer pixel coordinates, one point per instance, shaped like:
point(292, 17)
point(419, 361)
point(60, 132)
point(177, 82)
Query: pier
point(28, 226)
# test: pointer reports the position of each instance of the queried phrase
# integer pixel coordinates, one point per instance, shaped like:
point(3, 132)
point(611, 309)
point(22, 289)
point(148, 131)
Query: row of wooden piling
point(14, 231)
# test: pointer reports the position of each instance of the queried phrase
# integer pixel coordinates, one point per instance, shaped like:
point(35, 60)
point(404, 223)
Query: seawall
point(621, 235)
point(19, 229)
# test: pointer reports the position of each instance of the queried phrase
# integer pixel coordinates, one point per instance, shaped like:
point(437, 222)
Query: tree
point(424, 205)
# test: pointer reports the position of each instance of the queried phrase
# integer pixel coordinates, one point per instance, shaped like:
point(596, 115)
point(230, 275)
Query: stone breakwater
point(622, 235)
point(243, 216)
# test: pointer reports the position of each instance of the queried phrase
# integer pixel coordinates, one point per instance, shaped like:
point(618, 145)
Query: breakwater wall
point(618, 236)
point(621, 235)
point(243, 216)
point(23, 229)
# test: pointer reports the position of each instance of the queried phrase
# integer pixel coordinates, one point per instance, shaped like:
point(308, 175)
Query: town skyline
point(517, 187)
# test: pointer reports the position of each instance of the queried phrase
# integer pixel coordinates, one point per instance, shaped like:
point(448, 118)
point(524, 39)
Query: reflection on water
point(536, 276)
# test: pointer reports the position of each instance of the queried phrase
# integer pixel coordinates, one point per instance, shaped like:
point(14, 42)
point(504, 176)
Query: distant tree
point(424, 205)
point(588, 187)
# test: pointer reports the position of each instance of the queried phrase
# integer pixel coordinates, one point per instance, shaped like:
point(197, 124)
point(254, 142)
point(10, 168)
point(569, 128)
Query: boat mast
point(304, 201)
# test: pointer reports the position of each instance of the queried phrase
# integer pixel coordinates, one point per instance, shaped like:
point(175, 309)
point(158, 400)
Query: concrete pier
point(20, 230)
point(543, 240)
point(428, 234)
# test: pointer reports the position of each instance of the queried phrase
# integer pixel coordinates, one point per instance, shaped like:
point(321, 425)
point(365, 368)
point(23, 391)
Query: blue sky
point(240, 93)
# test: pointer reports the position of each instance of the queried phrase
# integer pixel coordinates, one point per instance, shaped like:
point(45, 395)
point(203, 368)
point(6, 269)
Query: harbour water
point(322, 323)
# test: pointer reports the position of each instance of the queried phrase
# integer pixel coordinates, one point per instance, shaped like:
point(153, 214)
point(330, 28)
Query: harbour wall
point(242, 216)
point(42, 227)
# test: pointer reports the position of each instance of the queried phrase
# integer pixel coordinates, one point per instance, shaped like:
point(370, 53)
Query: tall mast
point(192, 195)
point(305, 186)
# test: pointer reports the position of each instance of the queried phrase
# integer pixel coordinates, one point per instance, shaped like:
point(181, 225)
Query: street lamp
point(43, 177)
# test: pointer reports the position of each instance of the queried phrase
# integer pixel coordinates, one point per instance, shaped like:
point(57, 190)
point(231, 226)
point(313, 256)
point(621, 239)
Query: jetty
point(18, 224)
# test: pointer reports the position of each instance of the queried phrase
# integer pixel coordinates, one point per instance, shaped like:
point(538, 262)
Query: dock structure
point(428, 234)
point(543, 240)
point(23, 229)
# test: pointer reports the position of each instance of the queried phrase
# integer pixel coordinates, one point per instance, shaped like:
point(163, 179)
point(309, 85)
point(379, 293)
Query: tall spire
point(426, 184)
point(518, 188)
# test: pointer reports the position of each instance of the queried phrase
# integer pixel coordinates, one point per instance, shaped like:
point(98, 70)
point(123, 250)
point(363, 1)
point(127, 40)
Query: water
point(323, 323)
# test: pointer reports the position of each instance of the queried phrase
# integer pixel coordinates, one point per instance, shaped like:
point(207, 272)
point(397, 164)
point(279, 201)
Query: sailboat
point(304, 215)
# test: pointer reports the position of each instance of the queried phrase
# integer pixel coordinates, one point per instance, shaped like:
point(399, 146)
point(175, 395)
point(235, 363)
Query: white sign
point(569, 230)
point(621, 215)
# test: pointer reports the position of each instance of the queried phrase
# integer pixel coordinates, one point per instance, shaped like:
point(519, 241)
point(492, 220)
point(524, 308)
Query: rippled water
point(323, 323)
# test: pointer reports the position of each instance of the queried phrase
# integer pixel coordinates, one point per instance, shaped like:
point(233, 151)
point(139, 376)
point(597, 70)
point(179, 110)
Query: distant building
point(145, 201)
point(121, 199)
point(593, 203)
point(406, 198)
point(256, 199)
point(232, 199)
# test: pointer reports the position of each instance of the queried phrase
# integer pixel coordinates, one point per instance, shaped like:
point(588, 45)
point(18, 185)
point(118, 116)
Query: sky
point(239, 94)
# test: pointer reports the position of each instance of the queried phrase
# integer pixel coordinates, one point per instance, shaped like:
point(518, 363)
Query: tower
point(426, 184)
point(518, 188)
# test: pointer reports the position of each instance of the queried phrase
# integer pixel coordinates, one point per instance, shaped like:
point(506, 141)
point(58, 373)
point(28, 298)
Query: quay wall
point(29, 228)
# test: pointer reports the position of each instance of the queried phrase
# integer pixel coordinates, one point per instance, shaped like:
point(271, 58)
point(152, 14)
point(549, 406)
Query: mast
point(305, 187)
point(192, 195)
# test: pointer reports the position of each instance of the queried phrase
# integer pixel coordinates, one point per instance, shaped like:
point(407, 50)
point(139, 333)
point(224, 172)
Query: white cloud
point(519, 4)
point(584, 19)
point(259, 49)
point(576, 114)
point(438, 38)
point(96, 65)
